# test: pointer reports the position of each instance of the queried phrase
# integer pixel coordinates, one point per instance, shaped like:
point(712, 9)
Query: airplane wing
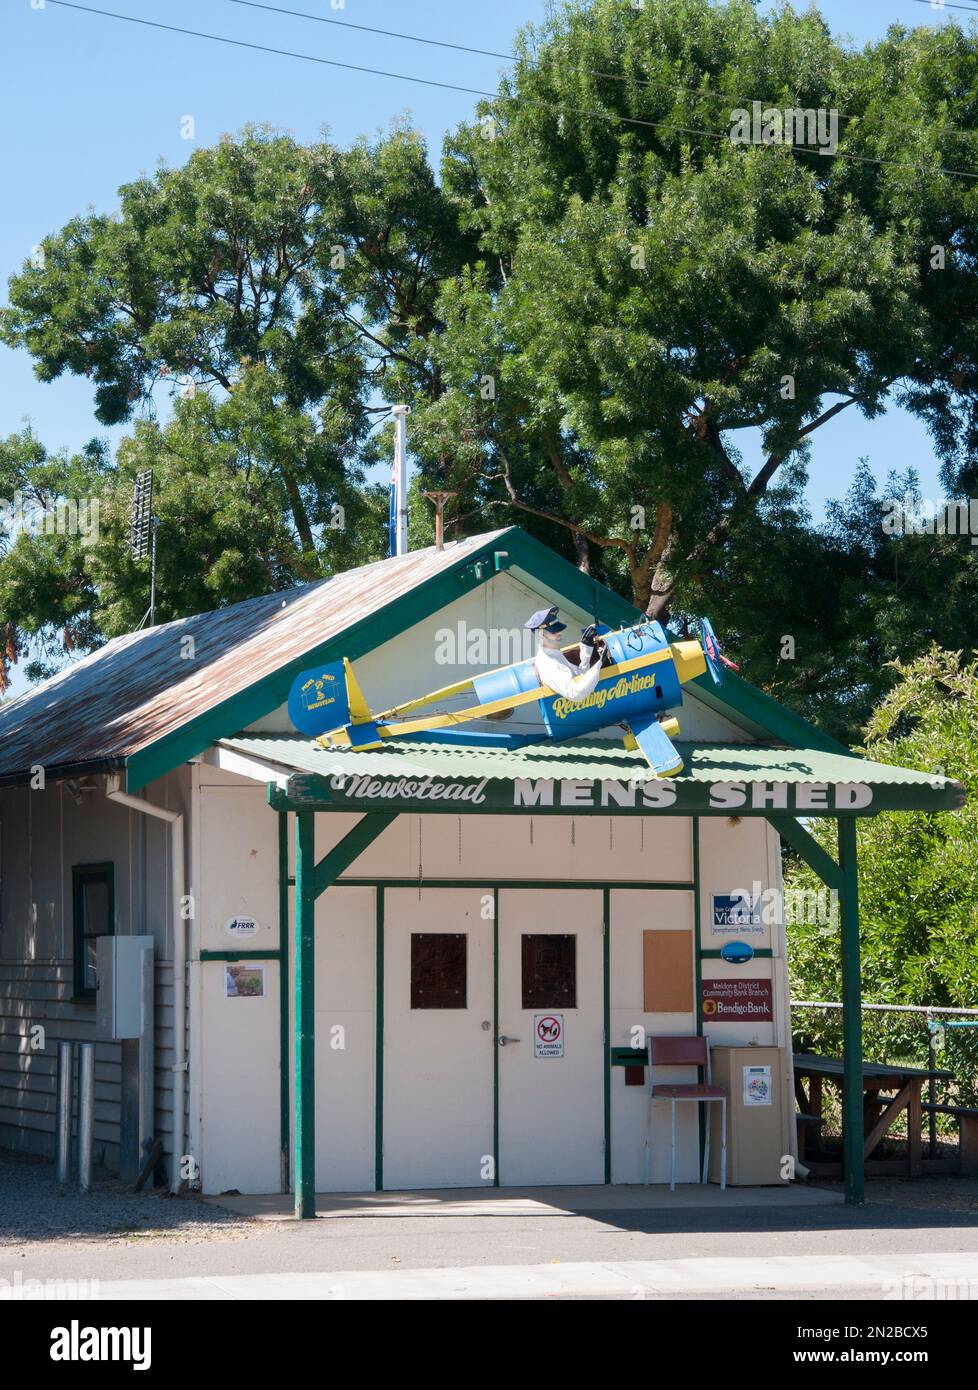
point(659, 750)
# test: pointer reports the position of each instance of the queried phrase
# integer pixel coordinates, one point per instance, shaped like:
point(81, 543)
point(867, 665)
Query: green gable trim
point(739, 701)
point(760, 713)
point(744, 704)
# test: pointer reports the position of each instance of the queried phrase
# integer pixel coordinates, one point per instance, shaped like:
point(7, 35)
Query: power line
point(265, 48)
point(493, 96)
point(950, 5)
point(367, 29)
point(696, 89)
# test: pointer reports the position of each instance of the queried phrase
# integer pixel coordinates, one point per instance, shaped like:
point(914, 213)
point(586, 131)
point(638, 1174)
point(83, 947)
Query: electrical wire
point(695, 88)
point(495, 96)
point(369, 29)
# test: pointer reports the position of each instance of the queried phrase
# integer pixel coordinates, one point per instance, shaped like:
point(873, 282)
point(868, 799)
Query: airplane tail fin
point(356, 701)
point(658, 749)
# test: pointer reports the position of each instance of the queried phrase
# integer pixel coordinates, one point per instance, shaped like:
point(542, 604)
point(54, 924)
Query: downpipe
point(175, 820)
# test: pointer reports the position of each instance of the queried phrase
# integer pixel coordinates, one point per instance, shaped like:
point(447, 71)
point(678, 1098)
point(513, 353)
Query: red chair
point(685, 1052)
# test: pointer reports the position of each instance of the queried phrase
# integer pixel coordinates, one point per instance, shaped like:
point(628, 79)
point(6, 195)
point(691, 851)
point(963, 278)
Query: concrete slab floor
point(530, 1201)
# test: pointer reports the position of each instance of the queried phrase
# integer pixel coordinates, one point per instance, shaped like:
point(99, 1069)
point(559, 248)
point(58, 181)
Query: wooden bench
point(805, 1125)
point(967, 1118)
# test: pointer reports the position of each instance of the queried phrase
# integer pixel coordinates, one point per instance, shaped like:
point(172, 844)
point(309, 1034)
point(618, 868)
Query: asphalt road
point(427, 1242)
point(603, 1250)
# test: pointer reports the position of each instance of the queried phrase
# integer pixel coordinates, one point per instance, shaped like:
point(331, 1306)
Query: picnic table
point(880, 1110)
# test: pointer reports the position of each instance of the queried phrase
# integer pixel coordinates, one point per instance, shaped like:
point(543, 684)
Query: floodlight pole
point(399, 512)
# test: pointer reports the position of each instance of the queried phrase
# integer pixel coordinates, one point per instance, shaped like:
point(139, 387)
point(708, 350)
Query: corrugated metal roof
point(140, 687)
point(578, 759)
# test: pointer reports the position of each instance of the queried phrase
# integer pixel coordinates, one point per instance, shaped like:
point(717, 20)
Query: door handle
point(502, 1040)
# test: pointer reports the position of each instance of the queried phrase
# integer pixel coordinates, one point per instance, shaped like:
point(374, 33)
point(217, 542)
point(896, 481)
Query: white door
point(551, 1036)
point(438, 1039)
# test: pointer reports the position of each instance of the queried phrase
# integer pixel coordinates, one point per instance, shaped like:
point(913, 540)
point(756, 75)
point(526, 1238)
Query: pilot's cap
point(545, 618)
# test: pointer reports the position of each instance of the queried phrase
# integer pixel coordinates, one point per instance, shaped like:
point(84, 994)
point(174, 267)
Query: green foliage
point(273, 289)
point(595, 316)
point(648, 288)
point(918, 872)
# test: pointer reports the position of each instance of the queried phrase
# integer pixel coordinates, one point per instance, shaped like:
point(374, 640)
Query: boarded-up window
point(549, 972)
point(667, 958)
point(438, 970)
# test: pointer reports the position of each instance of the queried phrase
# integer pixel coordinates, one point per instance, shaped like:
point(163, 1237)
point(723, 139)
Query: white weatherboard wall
point(608, 848)
point(235, 1064)
point(634, 911)
point(736, 855)
point(733, 858)
point(44, 834)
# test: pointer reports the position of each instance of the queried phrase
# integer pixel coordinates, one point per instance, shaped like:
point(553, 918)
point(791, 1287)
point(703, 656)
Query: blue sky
point(91, 102)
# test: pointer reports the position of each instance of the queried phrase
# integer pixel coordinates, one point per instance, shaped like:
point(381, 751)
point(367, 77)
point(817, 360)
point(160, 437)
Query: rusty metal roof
point(139, 688)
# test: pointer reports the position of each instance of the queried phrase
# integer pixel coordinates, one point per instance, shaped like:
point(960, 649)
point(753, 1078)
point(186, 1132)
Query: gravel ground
point(33, 1207)
point(946, 1193)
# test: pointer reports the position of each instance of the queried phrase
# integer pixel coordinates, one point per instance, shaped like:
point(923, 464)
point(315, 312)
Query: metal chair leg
point(723, 1152)
point(650, 1087)
point(672, 1166)
point(705, 1176)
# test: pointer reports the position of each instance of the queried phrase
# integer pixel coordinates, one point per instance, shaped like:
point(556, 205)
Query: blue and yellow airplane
point(644, 673)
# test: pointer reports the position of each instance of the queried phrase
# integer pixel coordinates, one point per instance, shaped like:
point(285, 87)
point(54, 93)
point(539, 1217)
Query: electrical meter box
point(124, 985)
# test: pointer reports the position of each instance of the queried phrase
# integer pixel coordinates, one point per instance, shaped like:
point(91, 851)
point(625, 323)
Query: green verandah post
point(305, 1042)
point(312, 879)
point(853, 1159)
point(844, 879)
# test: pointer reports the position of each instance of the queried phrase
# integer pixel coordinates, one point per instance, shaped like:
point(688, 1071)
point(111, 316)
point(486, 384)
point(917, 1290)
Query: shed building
point(417, 966)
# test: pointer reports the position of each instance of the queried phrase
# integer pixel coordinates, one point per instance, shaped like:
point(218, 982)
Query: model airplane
point(642, 678)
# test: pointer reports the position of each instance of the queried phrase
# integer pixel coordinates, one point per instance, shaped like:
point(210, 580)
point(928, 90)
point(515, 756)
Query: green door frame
point(843, 878)
point(311, 880)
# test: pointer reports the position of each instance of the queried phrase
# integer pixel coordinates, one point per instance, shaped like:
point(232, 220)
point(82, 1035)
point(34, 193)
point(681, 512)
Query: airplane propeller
point(715, 658)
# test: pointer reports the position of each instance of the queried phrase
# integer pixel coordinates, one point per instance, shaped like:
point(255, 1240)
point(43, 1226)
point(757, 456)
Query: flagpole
point(398, 510)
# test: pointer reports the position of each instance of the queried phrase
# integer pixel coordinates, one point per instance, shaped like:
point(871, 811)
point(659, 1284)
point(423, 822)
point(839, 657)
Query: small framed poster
point(757, 1086)
point(245, 981)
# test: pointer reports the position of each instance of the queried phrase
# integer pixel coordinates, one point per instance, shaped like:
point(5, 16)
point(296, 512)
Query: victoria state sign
point(421, 790)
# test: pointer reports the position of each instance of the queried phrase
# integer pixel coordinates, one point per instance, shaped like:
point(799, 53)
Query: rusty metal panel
point(140, 687)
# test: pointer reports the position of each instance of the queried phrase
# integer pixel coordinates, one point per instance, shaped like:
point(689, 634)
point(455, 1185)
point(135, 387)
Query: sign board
point(757, 1086)
point(244, 981)
point(548, 1035)
point(340, 788)
point(735, 914)
point(736, 952)
point(736, 1001)
point(241, 927)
